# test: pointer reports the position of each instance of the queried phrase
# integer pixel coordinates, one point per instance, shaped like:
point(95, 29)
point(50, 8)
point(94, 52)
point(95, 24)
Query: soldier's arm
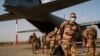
point(35, 36)
point(65, 22)
point(29, 40)
point(85, 33)
point(62, 26)
point(58, 34)
point(95, 34)
point(84, 41)
point(50, 34)
point(79, 29)
point(84, 37)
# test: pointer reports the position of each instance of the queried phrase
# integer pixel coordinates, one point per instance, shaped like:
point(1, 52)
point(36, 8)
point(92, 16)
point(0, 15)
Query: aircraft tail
point(24, 3)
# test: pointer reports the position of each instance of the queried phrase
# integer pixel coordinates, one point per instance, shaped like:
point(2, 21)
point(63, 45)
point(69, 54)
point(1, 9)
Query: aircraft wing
point(56, 5)
point(8, 16)
point(25, 31)
point(38, 12)
point(89, 23)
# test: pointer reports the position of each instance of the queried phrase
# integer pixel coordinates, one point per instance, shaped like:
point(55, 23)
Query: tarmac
point(26, 50)
point(20, 50)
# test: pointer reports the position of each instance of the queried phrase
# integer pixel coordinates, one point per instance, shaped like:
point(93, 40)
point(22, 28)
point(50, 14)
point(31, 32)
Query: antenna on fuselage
point(82, 14)
point(64, 16)
point(93, 22)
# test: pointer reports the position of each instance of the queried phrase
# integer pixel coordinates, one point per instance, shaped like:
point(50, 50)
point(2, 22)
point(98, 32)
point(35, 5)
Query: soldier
point(69, 29)
point(39, 42)
point(58, 37)
point(58, 49)
point(53, 41)
point(34, 42)
point(71, 20)
point(89, 37)
point(43, 42)
point(49, 37)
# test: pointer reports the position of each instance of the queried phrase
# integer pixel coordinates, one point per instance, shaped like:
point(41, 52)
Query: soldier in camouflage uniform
point(34, 41)
point(53, 41)
point(43, 42)
point(48, 38)
point(69, 29)
point(89, 37)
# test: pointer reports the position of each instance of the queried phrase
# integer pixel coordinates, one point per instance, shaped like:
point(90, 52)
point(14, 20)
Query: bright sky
point(88, 9)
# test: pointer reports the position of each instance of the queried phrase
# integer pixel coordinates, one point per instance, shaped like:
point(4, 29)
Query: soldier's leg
point(92, 51)
point(94, 48)
point(52, 46)
point(33, 48)
point(51, 51)
point(66, 49)
point(45, 49)
point(74, 49)
point(42, 48)
point(87, 51)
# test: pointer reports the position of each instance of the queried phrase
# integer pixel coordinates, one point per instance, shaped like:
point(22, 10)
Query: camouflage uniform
point(48, 38)
point(90, 35)
point(58, 38)
point(53, 41)
point(43, 42)
point(68, 38)
point(52, 45)
point(34, 42)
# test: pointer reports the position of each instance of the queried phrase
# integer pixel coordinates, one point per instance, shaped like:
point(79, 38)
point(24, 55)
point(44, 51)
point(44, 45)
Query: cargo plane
point(38, 12)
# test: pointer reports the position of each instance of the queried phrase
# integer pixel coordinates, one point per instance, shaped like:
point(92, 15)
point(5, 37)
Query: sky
point(86, 12)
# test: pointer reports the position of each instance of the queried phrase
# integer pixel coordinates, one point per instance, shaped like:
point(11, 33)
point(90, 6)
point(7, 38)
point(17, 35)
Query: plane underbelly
point(55, 19)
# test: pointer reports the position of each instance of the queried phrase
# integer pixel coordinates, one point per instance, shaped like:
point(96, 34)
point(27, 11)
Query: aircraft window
point(46, 1)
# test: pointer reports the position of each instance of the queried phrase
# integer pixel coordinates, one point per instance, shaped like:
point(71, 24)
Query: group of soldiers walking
point(64, 37)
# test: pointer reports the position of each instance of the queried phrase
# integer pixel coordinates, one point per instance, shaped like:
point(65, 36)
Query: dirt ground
point(20, 50)
point(25, 50)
